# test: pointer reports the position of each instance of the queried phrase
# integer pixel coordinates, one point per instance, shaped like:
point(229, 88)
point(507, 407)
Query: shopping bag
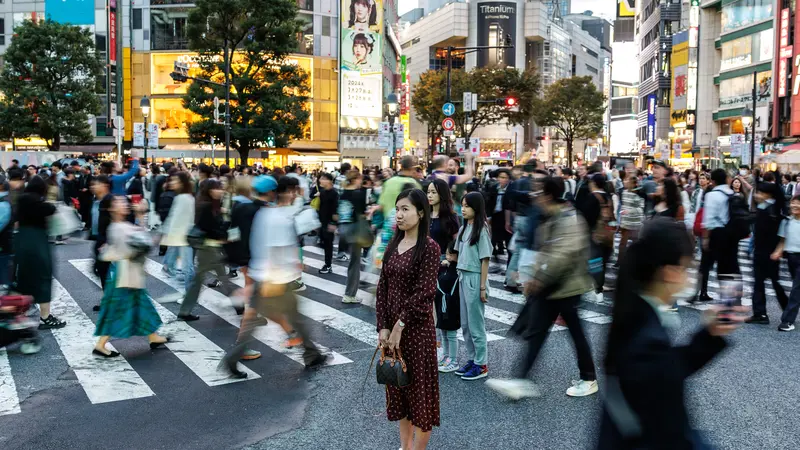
point(306, 221)
point(64, 221)
point(527, 259)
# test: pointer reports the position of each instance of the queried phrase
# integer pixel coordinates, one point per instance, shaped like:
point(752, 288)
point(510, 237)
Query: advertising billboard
point(75, 12)
point(497, 22)
point(651, 120)
point(361, 59)
point(626, 8)
point(795, 103)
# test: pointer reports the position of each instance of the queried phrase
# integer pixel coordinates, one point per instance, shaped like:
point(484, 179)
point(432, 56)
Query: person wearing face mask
point(769, 200)
point(638, 413)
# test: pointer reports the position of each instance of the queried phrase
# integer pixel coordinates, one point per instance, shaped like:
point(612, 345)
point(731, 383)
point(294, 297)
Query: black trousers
point(100, 267)
point(327, 243)
point(721, 250)
point(544, 314)
point(604, 252)
point(766, 269)
point(500, 237)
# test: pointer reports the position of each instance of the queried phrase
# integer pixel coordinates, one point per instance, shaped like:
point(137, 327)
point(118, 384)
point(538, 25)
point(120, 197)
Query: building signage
point(651, 120)
point(361, 57)
point(497, 21)
point(785, 54)
point(691, 70)
point(795, 103)
point(73, 12)
point(626, 8)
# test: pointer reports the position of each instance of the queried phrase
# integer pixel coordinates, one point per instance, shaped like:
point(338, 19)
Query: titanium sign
point(496, 21)
point(651, 120)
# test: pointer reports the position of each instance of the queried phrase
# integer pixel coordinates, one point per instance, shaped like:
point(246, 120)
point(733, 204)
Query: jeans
point(327, 244)
point(790, 312)
point(604, 252)
point(545, 313)
point(170, 258)
point(473, 324)
point(724, 251)
point(186, 255)
point(450, 344)
point(520, 228)
point(284, 305)
point(208, 259)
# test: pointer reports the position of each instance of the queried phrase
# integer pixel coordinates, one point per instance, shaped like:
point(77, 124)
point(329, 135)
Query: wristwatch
point(400, 323)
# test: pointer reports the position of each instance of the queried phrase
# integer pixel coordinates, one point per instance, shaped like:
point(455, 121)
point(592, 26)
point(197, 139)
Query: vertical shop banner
point(651, 120)
point(785, 53)
point(361, 56)
point(795, 124)
point(496, 22)
point(112, 60)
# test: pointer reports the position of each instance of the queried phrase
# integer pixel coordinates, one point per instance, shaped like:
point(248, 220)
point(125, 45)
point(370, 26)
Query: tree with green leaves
point(574, 108)
point(269, 95)
point(50, 81)
point(491, 84)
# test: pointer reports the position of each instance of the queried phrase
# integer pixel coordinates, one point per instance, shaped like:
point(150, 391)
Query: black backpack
point(739, 217)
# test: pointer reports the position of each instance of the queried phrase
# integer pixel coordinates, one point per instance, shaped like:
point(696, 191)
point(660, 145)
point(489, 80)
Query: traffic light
point(271, 140)
point(508, 102)
point(180, 72)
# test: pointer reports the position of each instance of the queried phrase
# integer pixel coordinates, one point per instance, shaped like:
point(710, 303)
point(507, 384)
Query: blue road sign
point(448, 109)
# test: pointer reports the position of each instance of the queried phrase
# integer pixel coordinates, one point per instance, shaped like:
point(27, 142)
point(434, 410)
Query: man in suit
point(100, 220)
point(85, 196)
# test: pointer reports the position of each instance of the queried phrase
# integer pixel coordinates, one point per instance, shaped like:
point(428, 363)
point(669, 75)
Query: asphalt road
point(744, 400)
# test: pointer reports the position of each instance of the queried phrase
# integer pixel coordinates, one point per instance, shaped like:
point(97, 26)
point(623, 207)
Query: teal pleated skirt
point(125, 312)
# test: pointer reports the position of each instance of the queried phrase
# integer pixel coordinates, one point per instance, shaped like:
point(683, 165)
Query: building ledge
point(746, 31)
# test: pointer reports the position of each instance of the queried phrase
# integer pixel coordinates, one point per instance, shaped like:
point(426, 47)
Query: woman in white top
point(178, 224)
point(126, 310)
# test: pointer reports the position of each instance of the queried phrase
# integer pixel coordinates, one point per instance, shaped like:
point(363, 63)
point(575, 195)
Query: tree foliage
point(269, 95)
point(429, 94)
point(574, 107)
point(50, 83)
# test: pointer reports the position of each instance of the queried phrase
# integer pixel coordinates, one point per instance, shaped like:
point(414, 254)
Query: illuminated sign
point(651, 120)
point(785, 53)
point(626, 8)
point(361, 56)
point(795, 104)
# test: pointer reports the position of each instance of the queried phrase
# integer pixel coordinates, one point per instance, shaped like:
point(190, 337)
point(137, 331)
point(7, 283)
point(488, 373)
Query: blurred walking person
point(176, 227)
point(639, 413)
point(769, 201)
point(328, 207)
point(355, 229)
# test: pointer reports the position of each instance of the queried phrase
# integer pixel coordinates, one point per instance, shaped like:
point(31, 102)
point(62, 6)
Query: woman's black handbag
point(196, 237)
point(392, 370)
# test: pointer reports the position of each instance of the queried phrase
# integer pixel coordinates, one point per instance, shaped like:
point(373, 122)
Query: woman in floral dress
point(404, 307)
point(126, 310)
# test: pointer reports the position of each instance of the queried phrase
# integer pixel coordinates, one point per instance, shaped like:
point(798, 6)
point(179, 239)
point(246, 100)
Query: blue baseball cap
point(264, 183)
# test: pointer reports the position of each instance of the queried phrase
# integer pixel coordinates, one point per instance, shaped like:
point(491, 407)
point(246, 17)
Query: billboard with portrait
point(497, 21)
point(361, 58)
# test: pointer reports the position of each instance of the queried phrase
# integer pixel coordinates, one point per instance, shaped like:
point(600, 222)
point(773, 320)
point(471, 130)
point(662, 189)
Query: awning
point(105, 148)
point(789, 157)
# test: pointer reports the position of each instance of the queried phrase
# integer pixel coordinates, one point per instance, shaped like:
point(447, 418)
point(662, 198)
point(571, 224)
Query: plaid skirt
point(125, 312)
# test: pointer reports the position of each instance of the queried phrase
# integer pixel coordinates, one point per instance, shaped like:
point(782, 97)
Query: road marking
point(103, 379)
point(272, 335)
point(197, 352)
point(9, 400)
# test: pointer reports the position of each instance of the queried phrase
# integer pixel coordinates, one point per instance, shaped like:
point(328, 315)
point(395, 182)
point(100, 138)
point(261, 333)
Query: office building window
point(305, 38)
point(326, 26)
point(2, 31)
point(168, 28)
point(137, 19)
point(438, 60)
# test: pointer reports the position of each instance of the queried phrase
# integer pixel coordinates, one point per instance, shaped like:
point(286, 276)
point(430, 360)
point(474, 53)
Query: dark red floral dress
point(406, 292)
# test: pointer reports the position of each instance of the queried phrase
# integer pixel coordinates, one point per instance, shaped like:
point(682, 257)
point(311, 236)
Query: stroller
point(15, 326)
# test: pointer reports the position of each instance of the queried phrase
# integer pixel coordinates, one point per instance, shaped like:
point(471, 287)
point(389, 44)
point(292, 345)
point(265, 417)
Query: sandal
point(51, 322)
point(110, 354)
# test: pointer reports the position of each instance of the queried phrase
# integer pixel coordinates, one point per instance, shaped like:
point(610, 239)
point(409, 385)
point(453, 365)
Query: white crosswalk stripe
point(9, 399)
point(197, 352)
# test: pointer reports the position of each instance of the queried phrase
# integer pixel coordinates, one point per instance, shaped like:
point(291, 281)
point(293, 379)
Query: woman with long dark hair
point(669, 200)
point(444, 222)
point(176, 227)
point(208, 221)
point(404, 309)
point(475, 249)
point(639, 413)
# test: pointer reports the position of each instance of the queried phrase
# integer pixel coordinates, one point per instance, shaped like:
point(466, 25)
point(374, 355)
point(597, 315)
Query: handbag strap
point(364, 384)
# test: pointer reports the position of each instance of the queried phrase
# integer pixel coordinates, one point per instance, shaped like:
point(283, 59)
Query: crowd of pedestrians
point(432, 236)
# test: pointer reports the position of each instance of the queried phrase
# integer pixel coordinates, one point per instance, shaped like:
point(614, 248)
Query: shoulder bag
point(392, 370)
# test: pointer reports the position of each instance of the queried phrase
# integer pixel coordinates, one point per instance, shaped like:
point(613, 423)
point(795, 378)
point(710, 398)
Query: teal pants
point(473, 325)
point(450, 344)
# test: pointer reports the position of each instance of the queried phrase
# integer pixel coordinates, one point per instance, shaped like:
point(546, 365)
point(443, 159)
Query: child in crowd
point(448, 318)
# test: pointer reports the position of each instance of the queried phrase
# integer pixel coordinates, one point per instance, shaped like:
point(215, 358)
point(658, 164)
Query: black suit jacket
point(103, 221)
point(651, 373)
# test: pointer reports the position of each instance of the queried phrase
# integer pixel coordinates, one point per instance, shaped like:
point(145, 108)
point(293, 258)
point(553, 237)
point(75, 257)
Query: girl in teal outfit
point(126, 310)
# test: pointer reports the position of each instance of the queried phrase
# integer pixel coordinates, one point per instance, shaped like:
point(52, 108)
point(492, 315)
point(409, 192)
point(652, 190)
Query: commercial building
point(623, 124)
point(737, 43)
point(555, 47)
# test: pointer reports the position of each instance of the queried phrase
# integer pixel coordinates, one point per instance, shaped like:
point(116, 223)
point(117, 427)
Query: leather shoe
point(188, 317)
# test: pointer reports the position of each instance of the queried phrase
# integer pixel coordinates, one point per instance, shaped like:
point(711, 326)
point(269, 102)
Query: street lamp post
point(391, 112)
point(671, 135)
point(145, 105)
point(749, 120)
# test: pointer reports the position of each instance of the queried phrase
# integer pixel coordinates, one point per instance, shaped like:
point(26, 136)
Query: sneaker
point(317, 362)
point(599, 297)
point(465, 368)
point(514, 388)
point(350, 299)
point(325, 270)
point(214, 284)
point(250, 354)
point(52, 322)
point(450, 366)
point(343, 257)
point(672, 309)
point(298, 286)
point(758, 320)
point(29, 348)
point(786, 326)
point(512, 289)
point(476, 372)
point(701, 298)
point(440, 356)
point(582, 388)
point(444, 360)
point(233, 273)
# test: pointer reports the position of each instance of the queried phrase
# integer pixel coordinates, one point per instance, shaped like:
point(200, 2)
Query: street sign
point(138, 134)
point(119, 123)
point(384, 135)
point(449, 132)
point(448, 109)
point(216, 102)
point(468, 102)
point(448, 124)
point(460, 147)
point(475, 146)
point(474, 101)
point(152, 135)
point(399, 135)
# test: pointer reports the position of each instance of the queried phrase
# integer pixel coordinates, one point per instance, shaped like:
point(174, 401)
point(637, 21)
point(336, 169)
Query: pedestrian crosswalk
point(345, 328)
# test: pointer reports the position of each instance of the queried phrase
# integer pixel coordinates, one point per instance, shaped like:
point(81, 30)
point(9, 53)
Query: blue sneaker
point(465, 368)
point(476, 372)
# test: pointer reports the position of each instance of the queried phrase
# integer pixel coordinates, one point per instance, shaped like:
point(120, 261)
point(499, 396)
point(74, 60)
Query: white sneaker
point(599, 296)
point(449, 367)
point(582, 388)
point(514, 388)
point(349, 299)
